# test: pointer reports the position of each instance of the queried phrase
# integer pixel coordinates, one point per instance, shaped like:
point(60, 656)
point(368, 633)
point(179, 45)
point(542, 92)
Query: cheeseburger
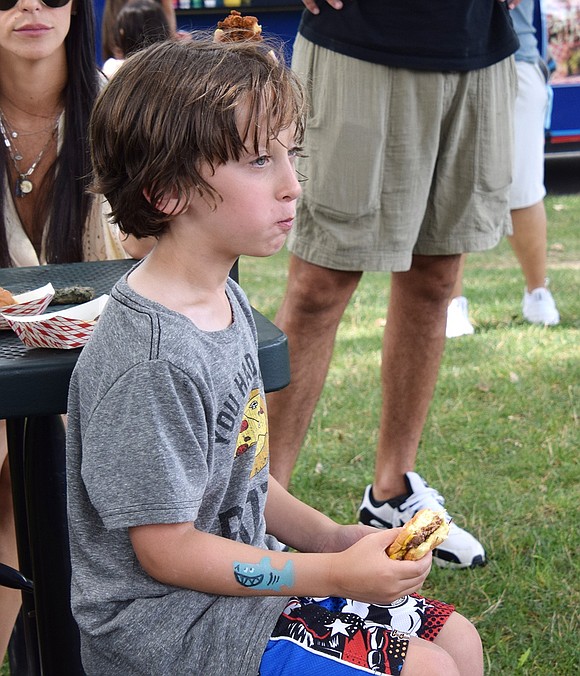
point(425, 531)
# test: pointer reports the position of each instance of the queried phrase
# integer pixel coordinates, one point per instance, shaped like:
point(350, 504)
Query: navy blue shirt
point(436, 35)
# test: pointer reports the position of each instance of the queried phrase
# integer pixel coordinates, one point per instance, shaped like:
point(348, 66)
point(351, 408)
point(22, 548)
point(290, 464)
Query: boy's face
point(258, 200)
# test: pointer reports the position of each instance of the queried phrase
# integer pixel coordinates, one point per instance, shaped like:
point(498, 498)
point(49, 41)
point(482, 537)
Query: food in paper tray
point(65, 330)
point(25, 304)
point(72, 295)
point(236, 28)
point(6, 298)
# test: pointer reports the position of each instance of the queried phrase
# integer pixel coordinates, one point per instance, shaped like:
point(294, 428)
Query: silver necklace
point(24, 185)
point(13, 133)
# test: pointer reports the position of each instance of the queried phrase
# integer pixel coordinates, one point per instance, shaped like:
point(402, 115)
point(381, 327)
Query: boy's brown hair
point(171, 109)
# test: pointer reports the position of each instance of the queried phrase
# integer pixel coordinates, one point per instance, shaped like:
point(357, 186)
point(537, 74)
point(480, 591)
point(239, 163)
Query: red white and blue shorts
point(340, 637)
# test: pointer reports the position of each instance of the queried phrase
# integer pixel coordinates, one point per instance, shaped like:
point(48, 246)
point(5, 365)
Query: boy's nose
point(291, 186)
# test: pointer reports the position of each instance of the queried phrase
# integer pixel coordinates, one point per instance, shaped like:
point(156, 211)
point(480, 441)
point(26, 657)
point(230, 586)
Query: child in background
point(139, 23)
point(111, 10)
point(173, 517)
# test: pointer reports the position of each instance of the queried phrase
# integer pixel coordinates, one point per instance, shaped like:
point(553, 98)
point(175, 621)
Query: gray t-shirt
point(166, 424)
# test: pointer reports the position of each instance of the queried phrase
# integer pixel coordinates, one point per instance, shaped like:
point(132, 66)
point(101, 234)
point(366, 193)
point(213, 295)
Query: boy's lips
point(287, 223)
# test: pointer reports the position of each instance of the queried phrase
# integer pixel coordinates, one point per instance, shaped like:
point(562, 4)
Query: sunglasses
point(5, 5)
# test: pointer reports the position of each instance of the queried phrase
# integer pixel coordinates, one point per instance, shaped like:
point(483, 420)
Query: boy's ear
point(169, 204)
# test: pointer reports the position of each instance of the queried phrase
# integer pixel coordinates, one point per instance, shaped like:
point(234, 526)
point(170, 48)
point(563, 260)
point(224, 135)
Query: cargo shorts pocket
point(343, 178)
point(493, 152)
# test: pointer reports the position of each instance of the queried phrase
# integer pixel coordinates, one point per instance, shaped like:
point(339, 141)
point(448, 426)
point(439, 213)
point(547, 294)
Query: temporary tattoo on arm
point(263, 576)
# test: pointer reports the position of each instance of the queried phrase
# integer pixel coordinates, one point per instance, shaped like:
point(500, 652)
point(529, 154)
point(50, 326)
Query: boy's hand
point(364, 571)
point(343, 537)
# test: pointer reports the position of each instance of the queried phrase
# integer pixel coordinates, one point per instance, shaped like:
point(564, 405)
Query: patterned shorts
point(336, 636)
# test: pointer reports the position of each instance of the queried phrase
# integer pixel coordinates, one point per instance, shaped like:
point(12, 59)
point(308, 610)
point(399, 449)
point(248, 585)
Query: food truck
point(558, 30)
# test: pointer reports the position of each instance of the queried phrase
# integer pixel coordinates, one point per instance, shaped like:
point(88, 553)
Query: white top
point(111, 66)
point(101, 240)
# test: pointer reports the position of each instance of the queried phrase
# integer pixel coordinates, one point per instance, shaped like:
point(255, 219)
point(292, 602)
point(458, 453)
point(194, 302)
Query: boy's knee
point(442, 664)
point(460, 639)
point(428, 659)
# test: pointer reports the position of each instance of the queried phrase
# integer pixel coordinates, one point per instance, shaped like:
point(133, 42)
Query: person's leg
point(335, 635)
point(425, 658)
point(430, 621)
point(412, 349)
point(529, 239)
point(459, 638)
point(310, 313)
point(9, 598)
point(459, 651)
point(458, 323)
point(414, 635)
point(529, 243)
point(458, 286)
point(466, 211)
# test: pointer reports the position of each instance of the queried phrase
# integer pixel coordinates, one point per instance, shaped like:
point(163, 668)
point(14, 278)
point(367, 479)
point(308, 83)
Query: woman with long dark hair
point(48, 83)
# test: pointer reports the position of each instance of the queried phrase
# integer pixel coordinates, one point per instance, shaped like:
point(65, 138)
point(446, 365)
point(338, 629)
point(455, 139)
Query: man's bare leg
point(310, 313)
point(458, 286)
point(412, 349)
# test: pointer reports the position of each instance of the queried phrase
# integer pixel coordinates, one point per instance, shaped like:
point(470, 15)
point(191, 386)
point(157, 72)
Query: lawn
point(500, 443)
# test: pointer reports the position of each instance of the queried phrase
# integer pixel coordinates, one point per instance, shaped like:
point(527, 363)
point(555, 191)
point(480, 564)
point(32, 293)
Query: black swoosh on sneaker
point(367, 518)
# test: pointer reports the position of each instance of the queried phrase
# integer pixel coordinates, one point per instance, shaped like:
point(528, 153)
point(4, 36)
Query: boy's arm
point(305, 528)
point(178, 554)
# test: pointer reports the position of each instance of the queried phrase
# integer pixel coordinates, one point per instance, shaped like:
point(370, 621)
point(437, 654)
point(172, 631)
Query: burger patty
point(424, 533)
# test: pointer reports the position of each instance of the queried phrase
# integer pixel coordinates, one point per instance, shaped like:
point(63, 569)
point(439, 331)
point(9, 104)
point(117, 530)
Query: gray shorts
point(401, 162)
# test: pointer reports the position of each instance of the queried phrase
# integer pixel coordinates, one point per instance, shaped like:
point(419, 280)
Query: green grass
point(500, 443)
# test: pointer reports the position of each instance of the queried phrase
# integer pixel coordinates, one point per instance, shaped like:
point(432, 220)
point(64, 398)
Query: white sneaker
point(539, 307)
point(460, 549)
point(458, 323)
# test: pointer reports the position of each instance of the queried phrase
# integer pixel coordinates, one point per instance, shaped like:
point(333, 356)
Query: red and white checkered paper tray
point(29, 303)
point(64, 330)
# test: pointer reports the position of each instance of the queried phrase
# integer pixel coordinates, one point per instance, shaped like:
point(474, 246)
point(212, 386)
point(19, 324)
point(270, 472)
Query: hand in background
point(312, 6)
point(511, 3)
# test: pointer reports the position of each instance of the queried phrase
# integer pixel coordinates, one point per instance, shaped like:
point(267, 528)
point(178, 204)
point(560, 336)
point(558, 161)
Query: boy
point(172, 516)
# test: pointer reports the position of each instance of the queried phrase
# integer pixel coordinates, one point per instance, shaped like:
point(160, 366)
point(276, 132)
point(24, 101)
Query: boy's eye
point(260, 161)
point(296, 152)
